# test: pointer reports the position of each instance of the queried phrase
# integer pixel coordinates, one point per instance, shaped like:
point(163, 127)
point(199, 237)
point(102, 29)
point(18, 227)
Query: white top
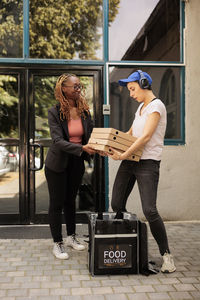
point(153, 148)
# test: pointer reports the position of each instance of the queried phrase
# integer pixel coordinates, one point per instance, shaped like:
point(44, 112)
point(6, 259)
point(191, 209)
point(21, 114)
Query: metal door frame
point(25, 74)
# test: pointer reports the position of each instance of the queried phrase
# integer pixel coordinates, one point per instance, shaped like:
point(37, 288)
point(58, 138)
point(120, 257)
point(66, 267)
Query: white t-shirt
point(153, 148)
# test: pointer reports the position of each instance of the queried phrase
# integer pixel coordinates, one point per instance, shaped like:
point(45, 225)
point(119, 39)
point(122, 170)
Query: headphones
point(143, 81)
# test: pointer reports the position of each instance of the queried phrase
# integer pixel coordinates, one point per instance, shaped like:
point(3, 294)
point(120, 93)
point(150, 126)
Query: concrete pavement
point(28, 270)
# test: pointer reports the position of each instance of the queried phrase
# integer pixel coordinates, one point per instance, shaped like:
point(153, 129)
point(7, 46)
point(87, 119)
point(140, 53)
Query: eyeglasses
point(76, 86)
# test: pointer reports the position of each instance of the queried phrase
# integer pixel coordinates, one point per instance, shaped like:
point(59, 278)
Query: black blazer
point(60, 149)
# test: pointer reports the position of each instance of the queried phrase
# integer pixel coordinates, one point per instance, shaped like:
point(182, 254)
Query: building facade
point(101, 42)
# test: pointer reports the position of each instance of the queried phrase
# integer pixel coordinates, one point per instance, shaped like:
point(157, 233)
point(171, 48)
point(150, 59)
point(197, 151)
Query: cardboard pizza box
point(104, 138)
point(112, 137)
point(108, 143)
point(115, 132)
point(106, 148)
point(113, 144)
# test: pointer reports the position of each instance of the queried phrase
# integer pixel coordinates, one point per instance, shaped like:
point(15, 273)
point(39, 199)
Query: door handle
point(41, 157)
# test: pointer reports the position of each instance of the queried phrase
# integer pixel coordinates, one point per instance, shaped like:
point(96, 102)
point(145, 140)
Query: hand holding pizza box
point(103, 138)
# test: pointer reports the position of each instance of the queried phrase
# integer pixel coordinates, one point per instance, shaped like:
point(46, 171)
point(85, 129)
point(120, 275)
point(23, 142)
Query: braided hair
point(82, 105)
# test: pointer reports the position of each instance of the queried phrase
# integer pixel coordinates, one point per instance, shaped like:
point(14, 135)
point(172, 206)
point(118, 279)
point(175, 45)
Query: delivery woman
point(149, 127)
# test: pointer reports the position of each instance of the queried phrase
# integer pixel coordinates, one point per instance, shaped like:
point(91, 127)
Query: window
point(146, 30)
point(139, 34)
point(146, 34)
point(11, 28)
point(66, 29)
point(166, 86)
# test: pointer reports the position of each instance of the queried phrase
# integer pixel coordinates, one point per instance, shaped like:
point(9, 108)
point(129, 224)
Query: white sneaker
point(168, 264)
point(73, 242)
point(59, 251)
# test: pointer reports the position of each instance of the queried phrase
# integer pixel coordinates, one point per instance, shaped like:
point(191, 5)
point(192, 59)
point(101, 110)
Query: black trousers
point(146, 173)
point(63, 188)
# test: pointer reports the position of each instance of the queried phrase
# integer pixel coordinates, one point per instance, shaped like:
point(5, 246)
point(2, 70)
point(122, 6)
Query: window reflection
point(9, 150)
point(44, 99)
point(168, 91)
point(9, 106)
point(66, 29)
point(11, 28)
point(146, 30)
point(9, 180)
point(166, 86)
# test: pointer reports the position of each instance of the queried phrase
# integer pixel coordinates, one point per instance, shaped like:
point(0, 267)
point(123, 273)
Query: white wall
point(179, 187)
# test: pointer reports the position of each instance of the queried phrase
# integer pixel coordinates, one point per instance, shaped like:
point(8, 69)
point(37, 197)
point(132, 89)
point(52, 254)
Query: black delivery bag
point(117, 245)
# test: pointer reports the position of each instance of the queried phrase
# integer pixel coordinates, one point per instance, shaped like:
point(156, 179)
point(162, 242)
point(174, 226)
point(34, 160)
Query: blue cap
point(135, 77)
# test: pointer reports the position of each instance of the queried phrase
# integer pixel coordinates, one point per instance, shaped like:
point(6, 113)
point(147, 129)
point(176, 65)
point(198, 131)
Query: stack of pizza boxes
point(103, 138)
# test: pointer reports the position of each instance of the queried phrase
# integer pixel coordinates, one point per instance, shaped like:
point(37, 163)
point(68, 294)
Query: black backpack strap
point(119, 215)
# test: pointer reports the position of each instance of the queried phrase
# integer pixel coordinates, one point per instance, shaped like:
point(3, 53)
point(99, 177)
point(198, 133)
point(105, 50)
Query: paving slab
point(28, 270)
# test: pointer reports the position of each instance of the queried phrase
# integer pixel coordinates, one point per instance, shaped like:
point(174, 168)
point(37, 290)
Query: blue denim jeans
point(146, 173)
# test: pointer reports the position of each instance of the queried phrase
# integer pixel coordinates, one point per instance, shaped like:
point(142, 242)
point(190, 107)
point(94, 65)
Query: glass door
point(91, 192)
point(26, 94)
point(12, 147)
